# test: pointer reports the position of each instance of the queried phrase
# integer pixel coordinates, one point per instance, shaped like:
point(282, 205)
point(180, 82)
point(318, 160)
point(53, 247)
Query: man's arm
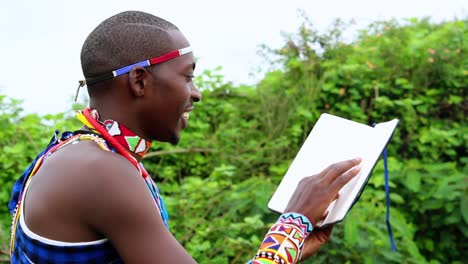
point(292, 238)
point(124, 211)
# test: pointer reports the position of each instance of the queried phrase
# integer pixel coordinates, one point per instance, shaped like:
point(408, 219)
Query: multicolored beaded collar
point(119, 132)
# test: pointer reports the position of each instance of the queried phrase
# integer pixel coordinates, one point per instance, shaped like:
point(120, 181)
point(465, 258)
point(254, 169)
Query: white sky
point(41, 40)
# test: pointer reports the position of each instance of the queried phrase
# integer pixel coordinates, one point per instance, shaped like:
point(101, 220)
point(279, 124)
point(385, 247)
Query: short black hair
point(124, 39)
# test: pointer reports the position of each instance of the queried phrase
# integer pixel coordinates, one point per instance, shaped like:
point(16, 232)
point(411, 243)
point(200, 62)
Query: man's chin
point(170, 136)
point(174, 140)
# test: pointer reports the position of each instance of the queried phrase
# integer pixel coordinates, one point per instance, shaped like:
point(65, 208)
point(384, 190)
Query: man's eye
point(190, 76)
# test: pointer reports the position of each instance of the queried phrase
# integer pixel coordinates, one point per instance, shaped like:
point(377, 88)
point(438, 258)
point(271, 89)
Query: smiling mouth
point(186, 115)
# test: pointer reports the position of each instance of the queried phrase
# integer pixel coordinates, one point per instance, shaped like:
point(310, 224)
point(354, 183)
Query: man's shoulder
point(87, 168)
point(87, 157)
point(83, 185)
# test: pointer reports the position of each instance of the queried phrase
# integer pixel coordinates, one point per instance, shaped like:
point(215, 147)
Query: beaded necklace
point(115, 133)
point(124, 136)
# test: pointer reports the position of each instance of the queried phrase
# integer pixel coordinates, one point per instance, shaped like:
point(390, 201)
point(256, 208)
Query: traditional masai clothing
point(28, 247)
point(282, 244)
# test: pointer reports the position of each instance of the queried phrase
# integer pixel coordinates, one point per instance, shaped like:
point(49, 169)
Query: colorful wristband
point(284, 241)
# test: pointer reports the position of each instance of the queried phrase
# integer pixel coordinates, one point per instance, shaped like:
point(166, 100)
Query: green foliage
point(415, 71)
point(241, 140)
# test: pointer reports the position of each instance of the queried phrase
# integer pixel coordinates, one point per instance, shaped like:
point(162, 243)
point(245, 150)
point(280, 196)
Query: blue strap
point(387, 199)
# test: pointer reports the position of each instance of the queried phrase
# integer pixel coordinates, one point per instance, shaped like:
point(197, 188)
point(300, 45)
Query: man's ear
point(138, 80)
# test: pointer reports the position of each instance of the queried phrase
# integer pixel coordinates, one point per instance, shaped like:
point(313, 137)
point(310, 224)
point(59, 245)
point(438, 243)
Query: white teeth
point(186, 115)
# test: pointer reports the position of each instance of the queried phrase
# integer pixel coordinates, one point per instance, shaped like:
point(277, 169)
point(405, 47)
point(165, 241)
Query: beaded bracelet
point(284, 241)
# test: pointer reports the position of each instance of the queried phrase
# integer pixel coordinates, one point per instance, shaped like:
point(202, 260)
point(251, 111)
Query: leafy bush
point(241, 139)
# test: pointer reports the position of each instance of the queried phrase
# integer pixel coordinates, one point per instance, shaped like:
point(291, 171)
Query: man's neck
point(130, 140)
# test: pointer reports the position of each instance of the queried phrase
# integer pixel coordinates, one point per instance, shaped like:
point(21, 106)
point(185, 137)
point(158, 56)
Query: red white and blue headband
point(124, 70)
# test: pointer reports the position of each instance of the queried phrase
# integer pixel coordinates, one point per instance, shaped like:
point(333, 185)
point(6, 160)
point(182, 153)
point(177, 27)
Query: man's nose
point(196, 95)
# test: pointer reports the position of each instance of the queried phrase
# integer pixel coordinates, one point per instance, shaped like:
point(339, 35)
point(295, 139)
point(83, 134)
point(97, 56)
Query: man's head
point(153, 101)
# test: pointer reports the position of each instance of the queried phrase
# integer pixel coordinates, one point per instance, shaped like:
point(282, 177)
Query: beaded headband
point(124, 70)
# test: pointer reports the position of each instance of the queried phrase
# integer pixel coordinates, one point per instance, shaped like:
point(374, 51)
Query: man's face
point(173, 94)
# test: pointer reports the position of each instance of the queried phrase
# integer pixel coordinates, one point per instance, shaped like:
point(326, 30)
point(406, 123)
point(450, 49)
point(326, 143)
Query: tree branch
point(4, 256)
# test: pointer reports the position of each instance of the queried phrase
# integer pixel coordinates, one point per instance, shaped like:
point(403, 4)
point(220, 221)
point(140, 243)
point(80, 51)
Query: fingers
point(344, 179)
point(337, 196)
point(327, 230)
point(335, 170)
point(324, 215)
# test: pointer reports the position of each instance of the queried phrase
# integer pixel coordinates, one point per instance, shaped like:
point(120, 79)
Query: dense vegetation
point(241, 139)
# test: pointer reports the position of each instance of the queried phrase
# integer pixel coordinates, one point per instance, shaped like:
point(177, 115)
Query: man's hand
point(316, 239)
point(314, 194)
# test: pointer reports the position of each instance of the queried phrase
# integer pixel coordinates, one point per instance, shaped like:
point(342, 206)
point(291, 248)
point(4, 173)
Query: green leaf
point(413, 181)
point(464, 207)
point(351, 231)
